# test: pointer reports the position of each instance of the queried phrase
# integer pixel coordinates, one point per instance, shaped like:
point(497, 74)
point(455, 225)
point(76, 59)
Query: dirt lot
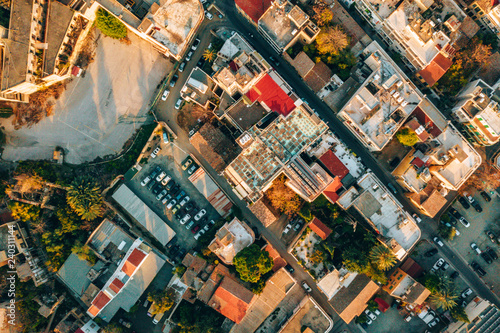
point(100, 110)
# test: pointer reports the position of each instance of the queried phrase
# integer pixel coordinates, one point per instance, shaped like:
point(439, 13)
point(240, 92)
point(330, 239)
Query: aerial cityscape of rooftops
point(239, 166)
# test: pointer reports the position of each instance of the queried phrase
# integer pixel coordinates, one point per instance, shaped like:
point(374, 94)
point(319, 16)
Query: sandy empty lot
point(98, 112)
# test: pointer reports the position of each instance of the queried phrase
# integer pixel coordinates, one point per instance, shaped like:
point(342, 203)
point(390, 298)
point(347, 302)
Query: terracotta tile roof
point(266, 90)
point(278, 261)
point(320, 228)
point(411, 268)
point(303, 64)
point(93, 310)
point(334, 164)
point(263, 213)
point(414, 125)
point(116, 285)
point(425, 120)
point(469, 27)
point(436, 69)
point(136, 257)
point(100, 300)
point(231, 300)
point(434, 203)
point(319, 76)
point(491, 73)
point(330, 191)
point(352, 301)
point(382, 305)
point(253, 8)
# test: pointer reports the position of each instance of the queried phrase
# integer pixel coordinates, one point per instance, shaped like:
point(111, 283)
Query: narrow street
point(167, 113)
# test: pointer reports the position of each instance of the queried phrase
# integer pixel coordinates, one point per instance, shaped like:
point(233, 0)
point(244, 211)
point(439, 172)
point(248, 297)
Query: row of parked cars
point(466, 201)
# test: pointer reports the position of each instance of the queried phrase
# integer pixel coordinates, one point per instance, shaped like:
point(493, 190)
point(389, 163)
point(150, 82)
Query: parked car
point(125, 323)
point(145, 181)
point(185, 219)
point(287, 228)
point(199, 234)
point(192, 169)
point(165, 95)
point(175, 190)
point(377, 312)
point(195, 229)
point(466, 293)
point(155, 152)
point(445, 266)
point(195, 43)
point(486, 257)
point(190, 225)
point(274, 61)
point(455, 213)
point(477, 206)
point(178, 104)
point(189, 55)
point(491, 236)
point(176, 209)
point(417, 218)
point(438, 263)
point(170, 185)
point(464, 222)
point(464, 202)
point(431, 253)
point(479, 270)
point(157, 189)
point(151, 184)
point(171, 203)
point(475, 248)
point(370, 314)
point(433, 323)
point(181, 67)
point(166, 180)
point(160, 176)
point(306, 287)
point(180, 195)
point(174, 80)
point(438, 241)
point(454, 275)
point(187, 162)
point(161, 194)
point(208, 15)
point(166, 199)
point(408, 318)
point(485, 196)
point(297, 226)
point(392, 188)
point(200, 214)
point(289, 269)
point(185, 200)
point(492, 253)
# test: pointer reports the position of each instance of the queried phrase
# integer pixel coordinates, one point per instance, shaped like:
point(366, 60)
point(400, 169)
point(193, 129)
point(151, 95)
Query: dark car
point(189, 206)
point(431, 253)
point(195, 229)
point(157, 189)
point(174, 80)
point(151, 184)
point(464, 202)
point(486, 257)
point(180, 195)
point(170, 184)
point(455, 213)
point(175, 190)
point(477, 206)
point(479, 270)
point(290, 269)
point(492, 253)
point(491, 236)
point(485, 196)
point(454, 275)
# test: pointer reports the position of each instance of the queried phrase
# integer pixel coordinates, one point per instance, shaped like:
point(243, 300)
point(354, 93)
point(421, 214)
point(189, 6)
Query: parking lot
point(169, 159)
point(476, 233)
point(287, 229)
point(392, 321)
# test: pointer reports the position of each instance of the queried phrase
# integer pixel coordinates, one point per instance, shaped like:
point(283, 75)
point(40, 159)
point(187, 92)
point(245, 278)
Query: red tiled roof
point(135, 258)
point(415, 125)
point(100, 300)
point(382, 305)
point(254, 8)
point(232, 300)
point(330, 191)
point(269, 92)
point(426, 121)
point(320, 228)
point(93, 310)
point(417, 162)
point(116, 285)
point(436, 69)
point(277, 260)
point(79, 331)
point(334, 164)
point(411, 268)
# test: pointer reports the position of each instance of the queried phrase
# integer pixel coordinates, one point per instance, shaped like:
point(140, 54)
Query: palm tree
point(84, 197)
point(383, 257)
point(209, 55)
point(444, 298)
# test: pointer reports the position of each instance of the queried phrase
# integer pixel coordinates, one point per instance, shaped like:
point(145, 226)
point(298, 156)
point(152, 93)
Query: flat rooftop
point(246, 115)
point(310, 314)
point(60, 17)
point(278, 25)
point(383, 210)
point(383, 8)
point(230, 239)
point(336, 280)
point(384, 100)
point(110, 240)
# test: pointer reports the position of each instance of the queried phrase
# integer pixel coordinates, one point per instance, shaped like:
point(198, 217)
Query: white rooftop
point(377, 205)
point(403, 286)
point(335, 280)
point(230, 239)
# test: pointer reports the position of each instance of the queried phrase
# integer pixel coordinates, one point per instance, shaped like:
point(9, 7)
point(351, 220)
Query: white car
point(438, 241)
point(370, 315)
point(196, 41)
point(161, 176)
point(438, 263)
point(287, 228)
point(185, 219)
point(208, 15)
point(466, 293)
point(475, 248)
point(178, 104)
point(434, 322)
point(166, 180)
point(155, 152)
point(306, 287)
point(189, 55)
point(377, 312)
point(368, 321)
point(184, 201)
point(200, 214)
point(181, 67)
point(417, 218)
point(464, 222)
point(145, 181)
point(171, 203)
point(161, 195)
point(165, 95)
point(198, 235)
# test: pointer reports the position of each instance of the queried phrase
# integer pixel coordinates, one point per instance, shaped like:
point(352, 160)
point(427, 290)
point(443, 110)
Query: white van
point(157, 318)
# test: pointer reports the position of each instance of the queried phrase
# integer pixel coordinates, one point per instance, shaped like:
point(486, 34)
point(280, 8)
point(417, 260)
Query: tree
point(209, 55)
point(431, 282)
point(407, 137)
point(375, 273)
point(332, 40)
point(112, 328)
point(29, 183)
point(24, 212)
point(458, 313)
point(282, 198)
point(110, 25)
point(163, 301)
point(84, 197)
point(486, 177)
point(383, 257)
point(84, 252)
point(444, 298)
point(322, 14)
point(251, 263)
point(317, 256)
point(480, 54)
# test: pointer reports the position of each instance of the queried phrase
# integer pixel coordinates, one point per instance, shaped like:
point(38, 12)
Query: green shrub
point(110, 25)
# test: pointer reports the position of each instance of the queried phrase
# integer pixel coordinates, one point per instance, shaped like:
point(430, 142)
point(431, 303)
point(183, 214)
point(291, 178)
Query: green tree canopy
point(458, 313)
point(251, 263)
point(383, 257)
point(84, 252)
point(163, 300)
point(110, 25)
point(332, 40)
point(407, 137)
point(23, 211)
point(84, 197)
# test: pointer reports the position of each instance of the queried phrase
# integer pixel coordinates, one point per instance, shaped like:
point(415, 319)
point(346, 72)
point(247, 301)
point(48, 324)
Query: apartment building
point(485, 12)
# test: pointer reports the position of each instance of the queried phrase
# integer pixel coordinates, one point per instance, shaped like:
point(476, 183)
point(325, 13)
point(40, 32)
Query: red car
point(195, 229)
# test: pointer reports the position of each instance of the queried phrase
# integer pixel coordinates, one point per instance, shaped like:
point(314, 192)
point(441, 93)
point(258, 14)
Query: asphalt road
point(166, 112)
